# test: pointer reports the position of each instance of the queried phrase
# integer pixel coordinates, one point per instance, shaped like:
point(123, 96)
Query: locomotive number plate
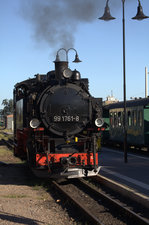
point(66, 118)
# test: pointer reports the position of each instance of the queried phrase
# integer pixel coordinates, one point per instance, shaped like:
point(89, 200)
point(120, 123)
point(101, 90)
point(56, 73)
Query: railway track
point(96, 206)
point(84, 210)
point(8, 143)
point(124, 191)
point(7, 139)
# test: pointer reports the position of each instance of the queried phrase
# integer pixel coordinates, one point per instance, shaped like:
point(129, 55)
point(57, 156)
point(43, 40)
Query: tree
point(8, 106)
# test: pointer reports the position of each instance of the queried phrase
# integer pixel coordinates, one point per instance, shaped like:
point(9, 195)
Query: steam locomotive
point(57, 123)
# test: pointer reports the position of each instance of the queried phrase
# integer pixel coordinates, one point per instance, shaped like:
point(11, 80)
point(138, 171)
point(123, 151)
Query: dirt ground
point(23, 200)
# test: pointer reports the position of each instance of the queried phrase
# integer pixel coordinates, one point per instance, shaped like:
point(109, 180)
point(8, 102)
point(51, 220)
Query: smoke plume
point(55, 21)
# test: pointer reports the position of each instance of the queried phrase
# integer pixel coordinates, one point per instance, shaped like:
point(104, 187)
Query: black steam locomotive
point(57, 122)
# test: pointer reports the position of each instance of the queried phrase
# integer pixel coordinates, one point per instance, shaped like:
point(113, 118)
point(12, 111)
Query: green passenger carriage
point(137, 123)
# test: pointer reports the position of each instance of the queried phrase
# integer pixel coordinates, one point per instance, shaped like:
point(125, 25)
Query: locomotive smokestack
point(60, 66)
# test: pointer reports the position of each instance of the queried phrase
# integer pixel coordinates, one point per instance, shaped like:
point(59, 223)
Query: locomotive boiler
point(57, 122)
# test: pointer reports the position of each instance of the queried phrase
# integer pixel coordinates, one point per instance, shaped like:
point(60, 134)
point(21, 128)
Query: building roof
point(10, 115)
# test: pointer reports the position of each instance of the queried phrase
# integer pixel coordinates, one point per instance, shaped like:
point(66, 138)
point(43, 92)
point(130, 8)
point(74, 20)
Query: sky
point(32, 31)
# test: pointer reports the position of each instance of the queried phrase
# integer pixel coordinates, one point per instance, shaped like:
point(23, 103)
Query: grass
point(38, 184)
point(5, 152)
point(37, 187)
point(6, 155)
point(14, 196)
point(5, 136)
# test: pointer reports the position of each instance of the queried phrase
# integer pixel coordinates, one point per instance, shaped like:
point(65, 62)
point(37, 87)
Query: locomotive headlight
point(99, 122)
point(34, 123)
point(67, 73)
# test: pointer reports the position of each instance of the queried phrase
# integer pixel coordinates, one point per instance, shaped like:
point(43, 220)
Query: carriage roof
point(131, 103)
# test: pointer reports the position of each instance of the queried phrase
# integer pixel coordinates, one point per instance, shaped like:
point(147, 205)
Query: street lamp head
point(77, 60)
point(107, 16)
point(140, 15)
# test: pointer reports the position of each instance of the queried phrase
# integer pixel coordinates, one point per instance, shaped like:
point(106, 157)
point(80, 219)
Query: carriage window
point(135, 118)
point(119, 119)
point(132, 118)
point(140, 119)
point(129, 119)
point(115, 119)
point(111, 119)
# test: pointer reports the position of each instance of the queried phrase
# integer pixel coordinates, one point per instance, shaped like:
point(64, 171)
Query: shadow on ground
point(17, 219)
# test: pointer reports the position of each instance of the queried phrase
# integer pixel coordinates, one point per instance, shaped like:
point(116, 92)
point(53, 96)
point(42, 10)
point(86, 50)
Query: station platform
point(133, 174)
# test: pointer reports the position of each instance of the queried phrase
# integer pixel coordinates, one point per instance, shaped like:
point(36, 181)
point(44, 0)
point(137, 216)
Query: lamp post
point(146, 82)
point(139, 16)
point(76, 60)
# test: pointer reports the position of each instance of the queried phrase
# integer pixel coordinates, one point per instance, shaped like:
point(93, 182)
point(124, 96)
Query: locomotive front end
point(63, 123)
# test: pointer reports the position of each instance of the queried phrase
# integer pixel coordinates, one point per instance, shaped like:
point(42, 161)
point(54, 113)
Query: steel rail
point(83, 209)
point(123, 190)
point(137, 219)
point(8, 143)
